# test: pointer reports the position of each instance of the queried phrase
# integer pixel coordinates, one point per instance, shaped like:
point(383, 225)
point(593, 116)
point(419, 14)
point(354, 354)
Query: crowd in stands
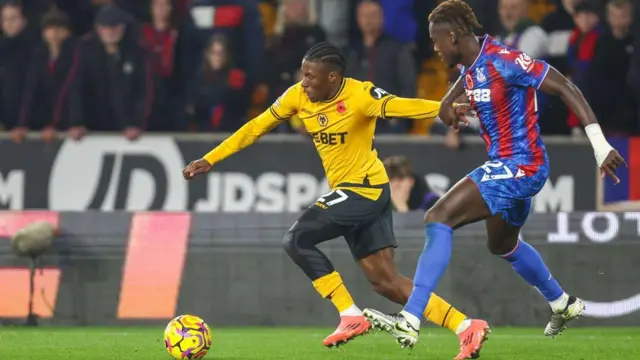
point(209, 65)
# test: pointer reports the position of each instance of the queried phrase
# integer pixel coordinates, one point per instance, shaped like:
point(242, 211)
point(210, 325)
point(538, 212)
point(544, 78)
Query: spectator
point(16, 47)
point(520, 32)
point(296, 31)
point(399, 20)
point(633, 77)
point(608, 71)
point(381, 60)
point(559, 25)
point(408, 190)
point(82, 12)
point(582, 45)
point(114, 88)
point(45, 103)
point(159, 37)
point(238, 20)
point(217, 92)
point(334, 16)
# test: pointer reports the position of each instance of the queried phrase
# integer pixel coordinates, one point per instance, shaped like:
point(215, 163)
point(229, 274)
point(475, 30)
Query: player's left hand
point(196, 167)
point(610, 164)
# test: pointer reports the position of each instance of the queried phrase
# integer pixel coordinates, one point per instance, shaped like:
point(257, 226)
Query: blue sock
point(431, 266)
point(528, 263)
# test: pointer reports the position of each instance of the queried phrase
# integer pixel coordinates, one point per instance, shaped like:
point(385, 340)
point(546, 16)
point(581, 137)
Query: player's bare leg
point(462, 204)
point(381, 271)
point(504, 240)
point(300, 243)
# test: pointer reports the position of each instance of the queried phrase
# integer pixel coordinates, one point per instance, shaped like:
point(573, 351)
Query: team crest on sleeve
point(378, 93)
point(341, 107)
point(323, 120)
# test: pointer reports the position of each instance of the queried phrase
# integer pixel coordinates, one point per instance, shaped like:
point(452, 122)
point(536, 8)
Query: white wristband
point(601, 146)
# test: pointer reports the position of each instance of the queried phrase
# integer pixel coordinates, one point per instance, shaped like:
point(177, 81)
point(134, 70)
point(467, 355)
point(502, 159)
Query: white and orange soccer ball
point(187, 337)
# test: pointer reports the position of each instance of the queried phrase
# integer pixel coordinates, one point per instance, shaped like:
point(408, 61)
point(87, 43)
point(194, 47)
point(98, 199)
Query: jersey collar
point(344, 81)
point(485, 39)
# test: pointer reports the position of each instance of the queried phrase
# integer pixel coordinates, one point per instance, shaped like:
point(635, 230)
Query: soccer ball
point(187, 337)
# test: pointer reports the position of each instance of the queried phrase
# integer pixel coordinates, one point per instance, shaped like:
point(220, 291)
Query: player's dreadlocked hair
point(457, 13)
point(328, 54)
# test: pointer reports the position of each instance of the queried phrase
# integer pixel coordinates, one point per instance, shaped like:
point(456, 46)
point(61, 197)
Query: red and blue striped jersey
point(501, 85)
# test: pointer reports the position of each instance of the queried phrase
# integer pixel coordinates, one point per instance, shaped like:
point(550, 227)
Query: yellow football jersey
point(342, 129)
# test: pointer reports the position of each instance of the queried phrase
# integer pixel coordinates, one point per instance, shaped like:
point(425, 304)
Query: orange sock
point(332, 287)
point(443, 314)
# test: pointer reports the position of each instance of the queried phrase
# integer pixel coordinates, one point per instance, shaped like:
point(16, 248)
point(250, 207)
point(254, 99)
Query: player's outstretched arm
point(607, 157)
point(447, 109)
point(245, 136)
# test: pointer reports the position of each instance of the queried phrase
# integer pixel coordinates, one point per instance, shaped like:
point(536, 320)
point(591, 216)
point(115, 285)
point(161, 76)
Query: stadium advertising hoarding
point(119, 268)
point(278, 174)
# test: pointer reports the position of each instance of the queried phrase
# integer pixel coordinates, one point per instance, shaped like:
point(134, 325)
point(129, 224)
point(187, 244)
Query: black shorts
point(366, 225)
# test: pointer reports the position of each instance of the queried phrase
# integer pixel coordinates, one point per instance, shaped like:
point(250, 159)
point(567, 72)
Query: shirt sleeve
point(519, 69)
point(283, 108)
point(378, 103)
point(287, 104)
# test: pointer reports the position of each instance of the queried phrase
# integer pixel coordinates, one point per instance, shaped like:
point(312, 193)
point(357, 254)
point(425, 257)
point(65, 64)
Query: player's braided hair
point(328, 54)
point(458, 13)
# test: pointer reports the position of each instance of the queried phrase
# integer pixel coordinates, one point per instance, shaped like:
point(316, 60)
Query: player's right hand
point(612, 162)
point(196, 167)
point(463, 113)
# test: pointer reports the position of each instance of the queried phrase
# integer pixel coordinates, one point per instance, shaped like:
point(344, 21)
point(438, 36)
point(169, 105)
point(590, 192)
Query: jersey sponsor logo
point(480, 75)
point(479, 95)
point(504, 52)
point(323, 120)
point(308, 112)
point(378, 93)
point(330, 138)
point(341, 107)
point(525, 62)
point(468, 81)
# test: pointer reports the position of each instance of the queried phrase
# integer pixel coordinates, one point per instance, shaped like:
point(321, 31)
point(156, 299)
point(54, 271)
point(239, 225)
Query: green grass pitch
point(59, 343)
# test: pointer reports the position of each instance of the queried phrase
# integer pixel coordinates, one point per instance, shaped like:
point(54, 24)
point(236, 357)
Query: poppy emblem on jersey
point(480, 75)
point(323, 120)
point(341, 107)
point(469, 81)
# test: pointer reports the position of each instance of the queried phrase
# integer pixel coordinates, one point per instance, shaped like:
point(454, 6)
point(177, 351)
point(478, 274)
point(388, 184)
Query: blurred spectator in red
point(114, 87)
point(45, 103)
point(582, 46)
point(16, 47)
point(296, 31)
point(238, 20)
point(382, 60)
point(519, 31)
point(159, 37)
point(216, 94)
point(608, 71)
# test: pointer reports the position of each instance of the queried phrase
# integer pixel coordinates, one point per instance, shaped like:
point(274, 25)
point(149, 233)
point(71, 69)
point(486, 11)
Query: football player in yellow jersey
point(340, 114)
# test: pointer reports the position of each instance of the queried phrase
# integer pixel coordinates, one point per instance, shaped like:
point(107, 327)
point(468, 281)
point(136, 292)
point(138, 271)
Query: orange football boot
point(350, 327)
point(472, 339)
